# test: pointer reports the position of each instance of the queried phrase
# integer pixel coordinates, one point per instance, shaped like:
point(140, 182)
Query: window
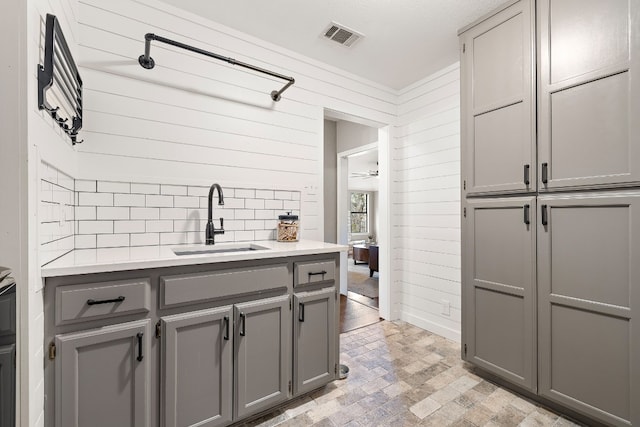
point(359, 212)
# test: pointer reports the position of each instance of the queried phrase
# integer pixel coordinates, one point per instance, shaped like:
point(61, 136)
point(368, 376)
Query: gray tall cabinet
point(550, 111)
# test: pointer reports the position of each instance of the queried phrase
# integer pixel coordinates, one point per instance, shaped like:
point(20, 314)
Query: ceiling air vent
point(341, 34)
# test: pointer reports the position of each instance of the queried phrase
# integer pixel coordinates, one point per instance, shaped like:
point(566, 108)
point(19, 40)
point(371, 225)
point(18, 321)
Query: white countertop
point(86, 261)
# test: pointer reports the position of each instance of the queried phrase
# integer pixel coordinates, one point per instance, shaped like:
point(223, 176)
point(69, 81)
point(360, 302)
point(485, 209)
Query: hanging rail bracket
point(146, 61)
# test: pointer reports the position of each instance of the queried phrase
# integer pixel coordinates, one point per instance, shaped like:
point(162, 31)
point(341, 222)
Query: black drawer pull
point(105, 301)
point(545, 173)
point(527, 219)
point(526, 175)
point(317, 273)
point(301, 312)
point(543, 210)
point(243, 320)
point(226, 328)
point(140, 355)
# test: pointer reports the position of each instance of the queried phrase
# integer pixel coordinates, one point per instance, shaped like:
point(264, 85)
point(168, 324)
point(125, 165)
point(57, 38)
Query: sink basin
point(202, 250)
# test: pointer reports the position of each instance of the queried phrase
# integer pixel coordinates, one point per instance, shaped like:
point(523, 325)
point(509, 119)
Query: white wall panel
point(426, 203)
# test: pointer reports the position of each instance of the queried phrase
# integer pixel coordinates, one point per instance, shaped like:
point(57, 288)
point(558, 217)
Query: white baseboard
point(436, 328)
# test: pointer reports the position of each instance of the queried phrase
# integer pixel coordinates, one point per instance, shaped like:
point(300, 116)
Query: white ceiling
point(362, 163)
point(405, 40)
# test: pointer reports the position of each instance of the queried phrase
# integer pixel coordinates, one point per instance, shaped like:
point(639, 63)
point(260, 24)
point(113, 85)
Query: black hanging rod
point(147, 61)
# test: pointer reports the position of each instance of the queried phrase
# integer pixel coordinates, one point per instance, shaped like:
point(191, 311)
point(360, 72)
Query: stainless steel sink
point(202, 250)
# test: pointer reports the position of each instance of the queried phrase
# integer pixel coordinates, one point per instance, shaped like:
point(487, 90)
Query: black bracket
point(146, 61)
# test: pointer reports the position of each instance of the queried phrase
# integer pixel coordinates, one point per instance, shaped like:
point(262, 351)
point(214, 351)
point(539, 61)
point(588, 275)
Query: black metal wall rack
point(146, 61)
point(60, 69)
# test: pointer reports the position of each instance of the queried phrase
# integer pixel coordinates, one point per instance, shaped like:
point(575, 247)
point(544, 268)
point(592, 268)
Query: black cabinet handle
point(140, 355)
point(317, 273)
point(105, 301)
point(243, 320)
point(301, 312)
point(226, 328)
point(527, 219)
point(543, 211)
point(545, 173)
point(526, 175)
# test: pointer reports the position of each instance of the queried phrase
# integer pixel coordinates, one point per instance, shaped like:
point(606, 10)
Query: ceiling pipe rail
point(146, 61)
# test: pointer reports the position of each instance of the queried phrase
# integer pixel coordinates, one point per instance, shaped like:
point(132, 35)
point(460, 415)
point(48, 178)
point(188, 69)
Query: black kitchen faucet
point(211, 230)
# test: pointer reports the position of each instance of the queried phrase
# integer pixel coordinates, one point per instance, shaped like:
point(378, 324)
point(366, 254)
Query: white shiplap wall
point(426, 203)
point(195, 120)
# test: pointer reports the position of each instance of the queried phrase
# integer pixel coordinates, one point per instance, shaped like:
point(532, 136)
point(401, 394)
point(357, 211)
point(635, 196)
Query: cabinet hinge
point(465, 350)
point(464, 184)
point(158, 330)
point(464, 212)
point(289, 386)
point(335, 369)
point(52, 350)
point(464, 47)
point(290, 305)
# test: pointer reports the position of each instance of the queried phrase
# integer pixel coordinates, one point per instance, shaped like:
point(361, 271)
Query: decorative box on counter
point(288, 228)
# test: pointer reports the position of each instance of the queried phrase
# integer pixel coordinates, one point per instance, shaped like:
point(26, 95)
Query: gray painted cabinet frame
point(7, 384)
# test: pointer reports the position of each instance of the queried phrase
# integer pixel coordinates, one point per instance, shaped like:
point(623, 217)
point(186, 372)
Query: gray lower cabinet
point(103, 376)
point(589, 93)
point(589, 297)
point(262, 339)
point(498, 102)
point(197, 368)
point(499, 288)
point(314, 363)
point(7, 384)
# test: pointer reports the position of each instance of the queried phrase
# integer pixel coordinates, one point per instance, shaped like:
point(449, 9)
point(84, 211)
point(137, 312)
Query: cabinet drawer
point(308, 273)
point(192, 288)
point(101, 300)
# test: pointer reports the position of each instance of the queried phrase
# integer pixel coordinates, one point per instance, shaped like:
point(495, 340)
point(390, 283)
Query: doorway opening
point(356, 215)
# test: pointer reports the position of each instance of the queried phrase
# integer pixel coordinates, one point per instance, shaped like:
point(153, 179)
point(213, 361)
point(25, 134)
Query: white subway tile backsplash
point(113, 240)
point(95, 199)
point(137, 226)
point(265, 214)
point(137, 200)
point(86, 185)
point(173, 213)
point(186, 202)
point(95, 227)
point(265, 194)
point(107, 212)
point(290, 205)
point(273, 204)
point(244, 214)
point(243, 236)
point(254, 225)
point(85, 241)
point(173, 190)
point(163, 226)
point(85, 212)
point(283, 195)
point(244, 193)
point(145, 188)
point(145, 213)
point(198, 191)
point(113, 187)
point(145, 239)
point(153, 201)
point(254, 204)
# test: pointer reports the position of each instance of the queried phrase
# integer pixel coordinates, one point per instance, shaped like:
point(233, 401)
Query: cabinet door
point(499, 330)
point(498, 103)
point(589, 93)
point(589, 297)
point(7, 385)
point(314, 330)
point(102, 377)
point(263, 364)
point(197, 368)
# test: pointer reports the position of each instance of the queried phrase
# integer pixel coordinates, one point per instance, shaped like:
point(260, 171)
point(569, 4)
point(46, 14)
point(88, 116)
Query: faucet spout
point(211, 231)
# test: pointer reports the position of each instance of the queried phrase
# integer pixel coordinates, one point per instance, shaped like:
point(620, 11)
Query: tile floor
point(401, 375)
